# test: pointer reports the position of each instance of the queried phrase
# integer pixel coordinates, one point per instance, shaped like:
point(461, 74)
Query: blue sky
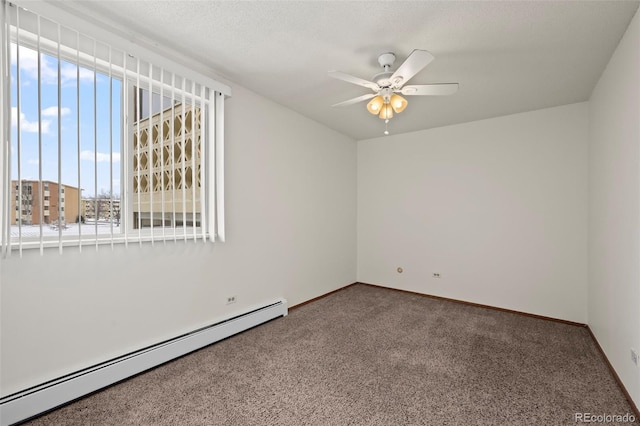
point(28, 117)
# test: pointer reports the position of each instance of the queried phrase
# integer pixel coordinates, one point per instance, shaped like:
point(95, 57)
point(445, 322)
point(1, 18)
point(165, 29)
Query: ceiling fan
point(388, 85)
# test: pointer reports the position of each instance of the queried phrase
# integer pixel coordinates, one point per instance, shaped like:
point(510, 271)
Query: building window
point(153, 178)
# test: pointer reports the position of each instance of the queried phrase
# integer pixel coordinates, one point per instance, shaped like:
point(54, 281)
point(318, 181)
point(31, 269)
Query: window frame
point(213, 95)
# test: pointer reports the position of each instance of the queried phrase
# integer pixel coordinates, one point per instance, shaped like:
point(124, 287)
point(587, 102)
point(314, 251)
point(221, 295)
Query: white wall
point(291, 232)
point(497, 207)
point(614, 209)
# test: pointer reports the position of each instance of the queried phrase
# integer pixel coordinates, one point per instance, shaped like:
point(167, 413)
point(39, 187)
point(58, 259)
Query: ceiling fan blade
point(417, 60)
point(355, 100)
point(430, 89)
point(355, 80)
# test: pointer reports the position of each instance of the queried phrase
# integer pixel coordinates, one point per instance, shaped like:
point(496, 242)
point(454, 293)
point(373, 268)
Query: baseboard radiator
point(39, 399)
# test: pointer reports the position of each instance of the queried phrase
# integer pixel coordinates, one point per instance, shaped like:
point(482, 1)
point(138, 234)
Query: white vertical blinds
point(216, 194)
point(101, 146)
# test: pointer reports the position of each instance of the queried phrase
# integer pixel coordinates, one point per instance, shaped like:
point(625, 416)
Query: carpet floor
point(371, 356)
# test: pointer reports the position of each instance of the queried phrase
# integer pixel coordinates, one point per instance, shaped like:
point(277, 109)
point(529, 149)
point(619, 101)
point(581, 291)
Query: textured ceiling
point(508, 57)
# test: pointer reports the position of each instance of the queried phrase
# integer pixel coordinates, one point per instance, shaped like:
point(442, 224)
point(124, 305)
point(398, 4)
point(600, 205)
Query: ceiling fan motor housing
point(385, 60)
point(382, 79)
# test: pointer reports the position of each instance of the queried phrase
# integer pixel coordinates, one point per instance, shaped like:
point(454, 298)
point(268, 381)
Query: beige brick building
point(43, 201)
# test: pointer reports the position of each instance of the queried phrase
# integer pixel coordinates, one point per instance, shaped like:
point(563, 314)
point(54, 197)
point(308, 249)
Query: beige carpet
point(371, 356)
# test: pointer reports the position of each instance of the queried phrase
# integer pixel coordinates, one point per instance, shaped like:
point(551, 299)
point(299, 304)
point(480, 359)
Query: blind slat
point(203, 181)
point(150, 143)
point(173, 156)
point(41, 215)
point(95, 147)
point(80, 201)
point(137, 147)
point(162, 159)
point(5, 126)
point(218, 169)
point(125, 168)
point(111, 209)
point(183, 182)
point(195, 135)
point(19, 201)
point(61, 223)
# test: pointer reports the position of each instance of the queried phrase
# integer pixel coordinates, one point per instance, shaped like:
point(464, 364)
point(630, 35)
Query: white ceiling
point(508, 56)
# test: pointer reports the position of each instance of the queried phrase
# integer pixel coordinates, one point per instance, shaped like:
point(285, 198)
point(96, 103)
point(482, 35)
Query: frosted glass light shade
point(398, 103)
point(386, 112)
point(375, 105)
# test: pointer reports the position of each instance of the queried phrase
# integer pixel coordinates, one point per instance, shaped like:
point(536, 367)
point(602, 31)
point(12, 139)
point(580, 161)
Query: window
point(124, 149)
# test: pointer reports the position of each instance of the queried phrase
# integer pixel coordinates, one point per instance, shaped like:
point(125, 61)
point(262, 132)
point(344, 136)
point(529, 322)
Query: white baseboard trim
point(36, 400)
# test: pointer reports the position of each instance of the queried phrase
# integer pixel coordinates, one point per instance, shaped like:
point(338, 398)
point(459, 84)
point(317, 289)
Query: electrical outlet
point(231, 299)
point(436, 275)
point(634, 356)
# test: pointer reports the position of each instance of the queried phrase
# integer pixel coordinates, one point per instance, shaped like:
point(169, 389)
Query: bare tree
point(103, 208)
point(102, 204)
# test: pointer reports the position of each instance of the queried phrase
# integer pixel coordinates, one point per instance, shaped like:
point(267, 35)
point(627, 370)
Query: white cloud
point(48, 68)
point(69, 74)
point(34, 162)
point(101, 156)
point(52, 111)
point(29, 64)
point(28, 58)
point(26, 125)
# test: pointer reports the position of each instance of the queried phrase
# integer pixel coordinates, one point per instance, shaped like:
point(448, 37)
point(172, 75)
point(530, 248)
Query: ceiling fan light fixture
point(387, 85)
point(386, 112)
point(375, 105)
point(398, 103)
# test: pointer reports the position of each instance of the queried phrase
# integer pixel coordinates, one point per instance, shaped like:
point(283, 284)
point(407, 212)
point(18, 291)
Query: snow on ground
point(71, 229)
